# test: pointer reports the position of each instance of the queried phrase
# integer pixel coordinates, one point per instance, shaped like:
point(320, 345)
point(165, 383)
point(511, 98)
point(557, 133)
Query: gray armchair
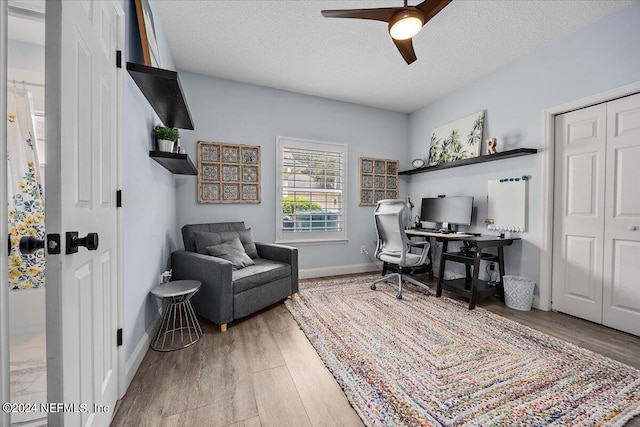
point(227, 294)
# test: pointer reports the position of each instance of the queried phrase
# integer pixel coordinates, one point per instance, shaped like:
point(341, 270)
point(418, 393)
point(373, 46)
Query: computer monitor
point(447, 210)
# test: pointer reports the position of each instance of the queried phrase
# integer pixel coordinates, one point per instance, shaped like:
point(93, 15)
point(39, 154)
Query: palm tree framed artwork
point(460, 139)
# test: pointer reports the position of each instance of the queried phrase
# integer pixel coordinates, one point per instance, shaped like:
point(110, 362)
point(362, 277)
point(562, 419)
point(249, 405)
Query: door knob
point(30, 244)
point(633, 227)
point(90, 241)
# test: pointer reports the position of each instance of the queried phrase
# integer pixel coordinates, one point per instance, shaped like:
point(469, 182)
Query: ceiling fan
point(404, 22)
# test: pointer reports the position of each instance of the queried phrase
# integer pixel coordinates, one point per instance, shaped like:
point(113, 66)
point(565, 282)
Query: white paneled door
point(621, 297)
point(596, 267)
point(82, 121)
point(578, 233)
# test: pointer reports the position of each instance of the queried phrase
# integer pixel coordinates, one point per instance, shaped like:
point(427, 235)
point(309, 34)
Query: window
point(311, 194)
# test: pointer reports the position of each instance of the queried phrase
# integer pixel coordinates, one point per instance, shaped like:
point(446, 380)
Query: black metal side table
point(179, 327)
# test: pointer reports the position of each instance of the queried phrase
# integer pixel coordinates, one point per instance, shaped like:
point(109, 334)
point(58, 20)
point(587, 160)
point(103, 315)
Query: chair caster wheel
point(399, 296)
point(373, 287)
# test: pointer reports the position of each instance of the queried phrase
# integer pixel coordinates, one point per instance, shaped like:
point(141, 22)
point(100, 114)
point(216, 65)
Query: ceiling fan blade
point(382, 14)
point(430, 8)
point(406, 49)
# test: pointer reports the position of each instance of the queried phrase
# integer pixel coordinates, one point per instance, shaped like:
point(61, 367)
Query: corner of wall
point(149, 201)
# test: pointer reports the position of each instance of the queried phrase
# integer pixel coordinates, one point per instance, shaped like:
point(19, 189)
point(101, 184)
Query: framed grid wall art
point(378, 180)
point(228, 173)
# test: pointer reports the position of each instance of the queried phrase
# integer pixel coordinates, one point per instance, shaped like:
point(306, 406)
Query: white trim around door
point(548, 159)
point(5, 417)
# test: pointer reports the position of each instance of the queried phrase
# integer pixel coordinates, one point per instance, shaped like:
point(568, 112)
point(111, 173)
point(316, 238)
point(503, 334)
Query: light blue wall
point(149, 197)
point(228, 111)
point(603, 56)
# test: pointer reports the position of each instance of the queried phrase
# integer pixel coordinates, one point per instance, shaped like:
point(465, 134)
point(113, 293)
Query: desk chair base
point(401, 277)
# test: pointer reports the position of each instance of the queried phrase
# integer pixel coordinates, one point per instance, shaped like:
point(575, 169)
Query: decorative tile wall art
point(460, 139)
point(228, 173)
point(378, 180)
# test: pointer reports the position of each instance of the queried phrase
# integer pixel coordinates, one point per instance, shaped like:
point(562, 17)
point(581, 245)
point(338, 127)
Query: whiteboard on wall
point(507, 204)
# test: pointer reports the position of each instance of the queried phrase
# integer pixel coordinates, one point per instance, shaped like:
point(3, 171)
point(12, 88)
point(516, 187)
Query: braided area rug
point(424, 361)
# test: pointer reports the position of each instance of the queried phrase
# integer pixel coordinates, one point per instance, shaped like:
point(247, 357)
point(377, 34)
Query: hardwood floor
point(261, 372)
point(264, 372)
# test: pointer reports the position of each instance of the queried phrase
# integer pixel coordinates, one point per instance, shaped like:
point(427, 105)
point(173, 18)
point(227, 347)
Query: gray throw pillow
point(246, 238)
point(204, 239)
point(231, 250)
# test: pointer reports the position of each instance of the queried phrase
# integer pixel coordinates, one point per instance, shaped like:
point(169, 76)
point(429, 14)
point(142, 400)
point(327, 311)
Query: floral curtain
point(26, 203)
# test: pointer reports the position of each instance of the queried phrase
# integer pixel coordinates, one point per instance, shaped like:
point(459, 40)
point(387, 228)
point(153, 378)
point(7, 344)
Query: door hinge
point(119, 337)
point(119, 58)
point(118, 198)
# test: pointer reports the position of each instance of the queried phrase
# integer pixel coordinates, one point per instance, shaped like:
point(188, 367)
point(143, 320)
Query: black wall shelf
point(472, 161)
point(163, 91)
point(177, 163)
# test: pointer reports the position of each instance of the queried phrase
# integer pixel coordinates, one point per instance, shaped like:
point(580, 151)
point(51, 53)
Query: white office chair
point(394, 247)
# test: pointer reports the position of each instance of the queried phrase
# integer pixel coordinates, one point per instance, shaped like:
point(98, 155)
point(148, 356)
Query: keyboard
point(427, 231)
point(457, 233)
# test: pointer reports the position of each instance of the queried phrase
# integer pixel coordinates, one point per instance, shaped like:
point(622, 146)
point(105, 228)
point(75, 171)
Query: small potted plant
point(165, 137)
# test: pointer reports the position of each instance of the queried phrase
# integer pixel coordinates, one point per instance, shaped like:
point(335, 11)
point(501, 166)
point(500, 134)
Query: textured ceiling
point(289, 45)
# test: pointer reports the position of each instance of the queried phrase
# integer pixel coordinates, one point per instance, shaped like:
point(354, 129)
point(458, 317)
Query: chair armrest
point(275, 252)
point(425, 246)
point(214, 300)
point(423, 243)
point(282, 253)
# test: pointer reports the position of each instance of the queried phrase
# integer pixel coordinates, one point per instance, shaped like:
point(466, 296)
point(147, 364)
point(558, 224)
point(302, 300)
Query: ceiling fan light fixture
point(406, 24)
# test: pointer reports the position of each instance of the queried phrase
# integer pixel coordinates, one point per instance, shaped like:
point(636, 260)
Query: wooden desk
point(469, 286)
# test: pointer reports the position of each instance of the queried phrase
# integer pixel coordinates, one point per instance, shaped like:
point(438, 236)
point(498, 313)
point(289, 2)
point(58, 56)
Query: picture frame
point(228, 173)
point(460, 139)
point(378, 180)
point(148, 40)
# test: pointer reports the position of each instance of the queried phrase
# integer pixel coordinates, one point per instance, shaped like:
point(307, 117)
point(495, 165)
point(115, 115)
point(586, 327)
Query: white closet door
point(621, 298)
point(580, 148)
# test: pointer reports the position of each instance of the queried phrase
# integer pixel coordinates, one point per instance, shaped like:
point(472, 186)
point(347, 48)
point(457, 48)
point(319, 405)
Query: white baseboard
point(134, 362)
point(310, 273)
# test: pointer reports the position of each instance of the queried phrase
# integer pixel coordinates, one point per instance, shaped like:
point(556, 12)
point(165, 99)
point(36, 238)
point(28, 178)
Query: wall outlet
point(165, 277)
point(363, 249)
point(492, 266)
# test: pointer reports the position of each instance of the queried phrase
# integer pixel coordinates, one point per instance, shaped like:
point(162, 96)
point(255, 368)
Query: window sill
point(310, 242)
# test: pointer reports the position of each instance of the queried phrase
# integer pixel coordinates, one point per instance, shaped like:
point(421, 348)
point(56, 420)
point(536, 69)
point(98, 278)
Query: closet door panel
point(580, 144)
point(621, 293)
